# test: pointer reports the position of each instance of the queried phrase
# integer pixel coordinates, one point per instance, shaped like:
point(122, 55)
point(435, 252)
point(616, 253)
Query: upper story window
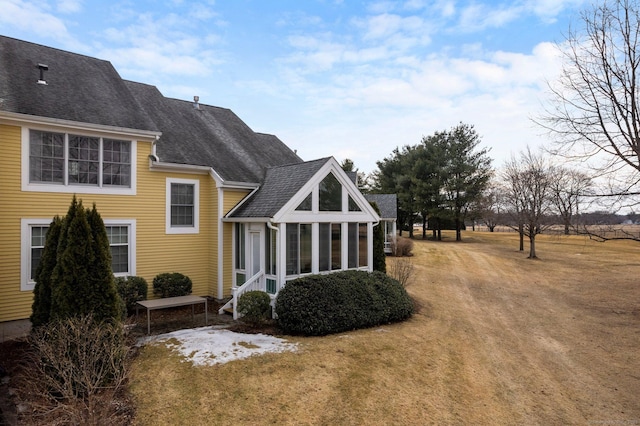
point(79, 160)
point(182, 200)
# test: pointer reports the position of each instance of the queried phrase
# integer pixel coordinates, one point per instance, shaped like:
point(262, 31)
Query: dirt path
point(529, 341)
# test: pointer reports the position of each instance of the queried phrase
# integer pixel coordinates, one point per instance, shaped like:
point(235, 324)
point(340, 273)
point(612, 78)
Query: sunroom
point(305, 218)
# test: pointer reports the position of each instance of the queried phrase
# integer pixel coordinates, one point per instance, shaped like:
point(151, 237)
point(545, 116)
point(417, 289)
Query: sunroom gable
point(333, 196)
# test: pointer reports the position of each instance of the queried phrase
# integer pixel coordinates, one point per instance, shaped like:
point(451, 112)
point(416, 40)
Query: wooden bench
point(171, 302)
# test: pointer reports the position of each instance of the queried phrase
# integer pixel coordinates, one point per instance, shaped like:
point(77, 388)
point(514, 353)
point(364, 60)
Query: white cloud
point(36, 19)
point(69, 6)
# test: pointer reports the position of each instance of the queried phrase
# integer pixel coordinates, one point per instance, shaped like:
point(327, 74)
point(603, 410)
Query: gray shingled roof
point(387, 203)
point(280, 184)
point(211, 136)
point(89, 90)
point(79, 88)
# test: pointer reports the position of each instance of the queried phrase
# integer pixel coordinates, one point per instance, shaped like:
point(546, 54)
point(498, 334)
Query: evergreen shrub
point(317, 305)
point(255, 307)
point(171, 284)
point(132, 289)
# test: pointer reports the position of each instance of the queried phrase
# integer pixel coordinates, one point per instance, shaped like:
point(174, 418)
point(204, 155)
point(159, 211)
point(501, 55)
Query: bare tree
point(568, 189)
point(527, 181)
point(490, 206)
point(595, 113)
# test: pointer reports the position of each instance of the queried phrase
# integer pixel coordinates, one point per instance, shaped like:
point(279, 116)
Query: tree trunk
point(424, 227)
point(532, 246)
point(458, 230)
point(521, 231)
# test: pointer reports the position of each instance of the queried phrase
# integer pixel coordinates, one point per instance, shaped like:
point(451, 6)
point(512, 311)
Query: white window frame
point(76, 188)
point(26, 284)
point(131, 224)
point(195, 229)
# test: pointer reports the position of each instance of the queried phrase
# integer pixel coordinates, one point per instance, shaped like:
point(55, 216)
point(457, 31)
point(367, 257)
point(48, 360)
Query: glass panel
point(255, 253)
point(240, 246)
point(182, 204)
point(305, 205)
point(119, 244)
point(46, 157)
point(305, 248)
point(330, 194)
point(240, 279)
point(336, 246)
point(292, 249)
point(116, 167)
point(353, 206)
point(38, 236)
point(271, 286)
point(84, 159)
point(120, 259)
point(270, 250)
point(353, 245)
point(325, 247)
point(362, 246)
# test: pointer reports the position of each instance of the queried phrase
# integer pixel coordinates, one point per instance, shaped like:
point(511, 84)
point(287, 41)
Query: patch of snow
point(206, 346)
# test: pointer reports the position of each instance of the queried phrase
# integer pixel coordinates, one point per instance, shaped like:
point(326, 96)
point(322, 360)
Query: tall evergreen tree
point(71, 272)
point(379, 258)
point(41, 308)
point(101, 293)
point(82, 281)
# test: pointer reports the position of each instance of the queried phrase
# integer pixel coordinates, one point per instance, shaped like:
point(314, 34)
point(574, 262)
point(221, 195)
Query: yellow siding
point(230, 199)
point(194, 255)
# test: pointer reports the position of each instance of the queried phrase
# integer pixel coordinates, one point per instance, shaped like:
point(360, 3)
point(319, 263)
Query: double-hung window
point(182, 200)
point(72, 161)
point(121, 235)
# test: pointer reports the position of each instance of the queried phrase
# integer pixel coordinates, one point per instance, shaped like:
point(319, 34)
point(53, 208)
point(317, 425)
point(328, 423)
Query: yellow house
point(181, 186)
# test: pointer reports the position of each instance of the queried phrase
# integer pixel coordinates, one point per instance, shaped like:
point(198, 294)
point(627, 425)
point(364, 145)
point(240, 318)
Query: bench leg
point(148, 321)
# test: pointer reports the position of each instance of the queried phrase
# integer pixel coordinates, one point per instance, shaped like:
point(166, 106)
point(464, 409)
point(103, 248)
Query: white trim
point(28, 120)
point(75, 188)
point(195, 229)
point(288, 212)
point(25, 251)
point(220, 293)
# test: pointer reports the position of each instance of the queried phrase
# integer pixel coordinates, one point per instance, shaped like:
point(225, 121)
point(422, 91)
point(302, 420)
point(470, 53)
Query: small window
point(330, 194)
point(119, 244)
point(38, 236)
point(305, 205)
point(353, 206)
point(182, 206)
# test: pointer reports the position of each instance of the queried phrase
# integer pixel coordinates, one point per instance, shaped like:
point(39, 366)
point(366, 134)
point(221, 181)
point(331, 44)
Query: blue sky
point(342, 78)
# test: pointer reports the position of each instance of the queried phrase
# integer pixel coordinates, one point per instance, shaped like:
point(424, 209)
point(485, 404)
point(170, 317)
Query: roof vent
point(42, 68)
point(196, 105)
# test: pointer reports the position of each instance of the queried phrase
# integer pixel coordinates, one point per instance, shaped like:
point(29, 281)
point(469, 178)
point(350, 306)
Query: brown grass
point(499, 339)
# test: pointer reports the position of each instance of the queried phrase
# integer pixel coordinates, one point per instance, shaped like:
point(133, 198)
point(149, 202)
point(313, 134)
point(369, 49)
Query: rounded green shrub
point(323, 304)
point(132, 289)
point(171, 285)
point(254, 307)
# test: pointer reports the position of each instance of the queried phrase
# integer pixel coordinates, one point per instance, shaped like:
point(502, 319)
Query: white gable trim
point(288, 212)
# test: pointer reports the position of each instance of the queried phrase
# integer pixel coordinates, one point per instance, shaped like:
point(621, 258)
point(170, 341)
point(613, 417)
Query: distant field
point(499, 339)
